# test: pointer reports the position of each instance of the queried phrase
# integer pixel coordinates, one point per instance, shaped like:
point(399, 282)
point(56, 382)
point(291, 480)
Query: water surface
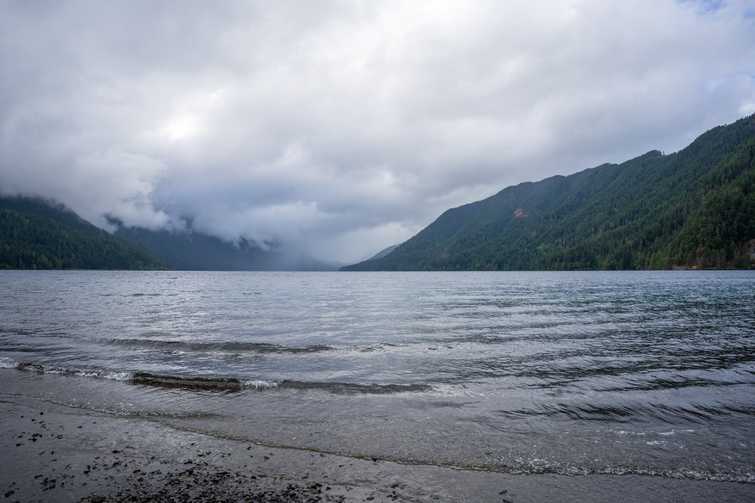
point(577, 373)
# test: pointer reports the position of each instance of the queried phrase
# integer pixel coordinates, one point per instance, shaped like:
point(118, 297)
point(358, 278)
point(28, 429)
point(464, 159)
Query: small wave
point(15, 331)
point(235, 384)
point(231, 347)
point(211, 382)
point(21, 349)
point(664, 384)
point(693, 413)
point(341, 388)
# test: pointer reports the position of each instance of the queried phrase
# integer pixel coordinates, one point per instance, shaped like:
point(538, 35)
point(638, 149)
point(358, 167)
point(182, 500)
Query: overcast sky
point(347, 126)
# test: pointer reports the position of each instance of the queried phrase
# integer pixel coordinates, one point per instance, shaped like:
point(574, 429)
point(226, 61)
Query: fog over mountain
point(340, 128)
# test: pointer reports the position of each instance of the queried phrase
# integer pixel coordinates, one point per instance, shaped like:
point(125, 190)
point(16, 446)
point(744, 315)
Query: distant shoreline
point(673, 269)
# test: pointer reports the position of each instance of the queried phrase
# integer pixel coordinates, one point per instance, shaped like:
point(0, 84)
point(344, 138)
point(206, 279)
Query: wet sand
point(50, 451)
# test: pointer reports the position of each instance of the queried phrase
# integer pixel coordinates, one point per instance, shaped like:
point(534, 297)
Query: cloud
point(343, 127)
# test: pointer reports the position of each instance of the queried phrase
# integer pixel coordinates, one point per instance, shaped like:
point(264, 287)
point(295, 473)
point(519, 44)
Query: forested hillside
point(38, 234)
point(693, 208)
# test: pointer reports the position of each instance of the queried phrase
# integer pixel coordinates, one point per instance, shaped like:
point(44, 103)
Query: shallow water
point(577, 373)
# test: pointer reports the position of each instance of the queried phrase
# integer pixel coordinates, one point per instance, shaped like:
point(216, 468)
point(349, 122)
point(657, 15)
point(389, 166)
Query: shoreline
point(342, 269)
point(57, 452)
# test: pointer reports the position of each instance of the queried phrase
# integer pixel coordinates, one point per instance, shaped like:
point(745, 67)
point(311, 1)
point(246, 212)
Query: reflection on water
point(648, 372)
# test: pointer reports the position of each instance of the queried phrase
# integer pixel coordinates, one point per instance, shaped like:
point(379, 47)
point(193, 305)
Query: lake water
point(574, 373)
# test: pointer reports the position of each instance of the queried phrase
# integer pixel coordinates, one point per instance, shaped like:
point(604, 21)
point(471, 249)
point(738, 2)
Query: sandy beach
point(57, 452)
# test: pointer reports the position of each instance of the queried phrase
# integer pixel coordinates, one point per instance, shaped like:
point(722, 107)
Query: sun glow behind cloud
point(181, 128)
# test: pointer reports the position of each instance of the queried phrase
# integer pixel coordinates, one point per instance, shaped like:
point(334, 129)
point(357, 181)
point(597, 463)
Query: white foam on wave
point(112, 375)
point(632, 433)
point(103, 374)
point(258, 384)
point(674, 432)
point(7, 363)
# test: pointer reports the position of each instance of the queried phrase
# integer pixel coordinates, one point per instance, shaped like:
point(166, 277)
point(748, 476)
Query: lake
point(649, 373)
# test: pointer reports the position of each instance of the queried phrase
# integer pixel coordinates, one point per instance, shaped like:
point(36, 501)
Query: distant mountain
point(192, 250)
point(39, 234)
point(694, 208)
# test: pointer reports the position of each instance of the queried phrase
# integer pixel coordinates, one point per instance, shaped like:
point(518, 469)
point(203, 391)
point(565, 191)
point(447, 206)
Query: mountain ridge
point(692, 208)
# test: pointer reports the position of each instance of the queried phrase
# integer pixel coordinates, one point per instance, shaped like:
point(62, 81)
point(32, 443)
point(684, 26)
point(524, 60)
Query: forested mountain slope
point(39, 234)
point(693, 208)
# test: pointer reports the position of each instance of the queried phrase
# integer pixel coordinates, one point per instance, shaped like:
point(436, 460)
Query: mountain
point(192, 250)
point(39, 234)
point(384, 252)
point(693, 208)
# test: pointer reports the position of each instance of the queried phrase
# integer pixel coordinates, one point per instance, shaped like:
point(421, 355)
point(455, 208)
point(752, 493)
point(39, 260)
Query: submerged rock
point(207, 383)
